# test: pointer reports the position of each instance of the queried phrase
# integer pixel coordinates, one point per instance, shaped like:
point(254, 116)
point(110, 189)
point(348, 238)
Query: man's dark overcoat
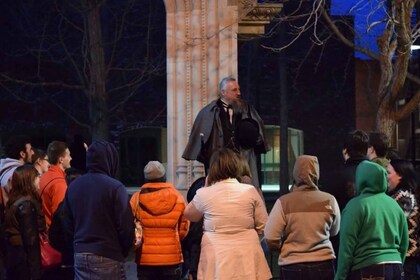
point(207, 136)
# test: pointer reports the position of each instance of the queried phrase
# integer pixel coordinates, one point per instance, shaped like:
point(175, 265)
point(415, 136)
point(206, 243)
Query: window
point(270, 162)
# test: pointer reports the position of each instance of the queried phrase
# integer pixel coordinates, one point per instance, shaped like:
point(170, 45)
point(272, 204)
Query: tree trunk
point(385, 121)
point(98, 110)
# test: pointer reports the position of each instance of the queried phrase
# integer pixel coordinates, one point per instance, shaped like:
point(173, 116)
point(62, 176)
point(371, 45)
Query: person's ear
point(345, 154)
point(22, 154)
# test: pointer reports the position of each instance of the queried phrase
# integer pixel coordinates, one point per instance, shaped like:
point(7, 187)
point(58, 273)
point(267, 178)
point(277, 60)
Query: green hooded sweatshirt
point(373, 228)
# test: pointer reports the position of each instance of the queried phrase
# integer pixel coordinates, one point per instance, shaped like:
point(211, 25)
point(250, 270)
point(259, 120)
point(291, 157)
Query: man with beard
point(18, 150)
point(227, 122)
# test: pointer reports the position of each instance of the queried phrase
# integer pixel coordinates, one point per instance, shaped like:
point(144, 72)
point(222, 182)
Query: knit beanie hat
point(154, 170)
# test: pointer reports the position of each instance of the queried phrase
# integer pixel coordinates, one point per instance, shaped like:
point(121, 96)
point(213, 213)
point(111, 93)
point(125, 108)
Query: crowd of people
point(363, 224)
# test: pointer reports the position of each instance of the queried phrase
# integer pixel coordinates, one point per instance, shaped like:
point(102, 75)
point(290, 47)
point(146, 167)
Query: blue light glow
point(368, 21)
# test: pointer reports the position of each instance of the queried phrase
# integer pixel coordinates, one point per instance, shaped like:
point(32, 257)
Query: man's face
point(231, 93)
point(27, 155)
point(65, 160)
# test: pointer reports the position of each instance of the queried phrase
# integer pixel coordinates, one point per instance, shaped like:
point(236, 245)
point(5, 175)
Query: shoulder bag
point(138, 229)
point(50, 257)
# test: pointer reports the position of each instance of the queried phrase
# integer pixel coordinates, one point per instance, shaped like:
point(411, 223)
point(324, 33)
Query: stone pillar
point(201, 43)
point(201, 39)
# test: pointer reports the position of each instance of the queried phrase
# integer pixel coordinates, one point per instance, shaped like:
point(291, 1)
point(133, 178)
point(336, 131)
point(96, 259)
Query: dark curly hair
point(15, 145)
point(356, 143)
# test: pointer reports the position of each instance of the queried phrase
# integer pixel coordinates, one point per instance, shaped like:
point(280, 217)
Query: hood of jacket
point(158, 198)
point(384, 162)
point(102, 157)
point(7, 167)
point(306, 172)
point(370, 178)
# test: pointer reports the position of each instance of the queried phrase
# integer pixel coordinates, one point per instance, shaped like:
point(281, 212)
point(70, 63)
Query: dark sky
point(37, 38)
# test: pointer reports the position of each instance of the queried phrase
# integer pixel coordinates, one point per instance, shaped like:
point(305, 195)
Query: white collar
point(229, 181)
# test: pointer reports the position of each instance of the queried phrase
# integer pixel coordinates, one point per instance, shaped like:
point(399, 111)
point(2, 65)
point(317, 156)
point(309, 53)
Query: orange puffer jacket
point(161, 209)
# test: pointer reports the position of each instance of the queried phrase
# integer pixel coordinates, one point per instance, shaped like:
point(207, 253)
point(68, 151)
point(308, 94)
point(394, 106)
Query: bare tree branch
point(403, 29)
point(6, 78)
point(64, 52)
point(81, 77)
point(394, 47)
point(69, 114)
point(409, 107)
point(351, 44)
point(117, 34)
point(17, 96)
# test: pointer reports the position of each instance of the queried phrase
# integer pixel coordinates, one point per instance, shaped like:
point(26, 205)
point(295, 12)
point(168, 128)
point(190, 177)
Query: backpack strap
point(48, 184)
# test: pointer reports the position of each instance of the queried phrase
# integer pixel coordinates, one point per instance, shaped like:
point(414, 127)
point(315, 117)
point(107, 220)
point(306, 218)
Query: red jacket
point(161, 209)
point(52, 188)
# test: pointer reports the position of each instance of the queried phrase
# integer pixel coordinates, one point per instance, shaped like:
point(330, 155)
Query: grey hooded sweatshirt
point(302, 221)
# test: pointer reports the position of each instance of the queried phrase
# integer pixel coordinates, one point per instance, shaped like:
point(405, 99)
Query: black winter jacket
point(24, 220)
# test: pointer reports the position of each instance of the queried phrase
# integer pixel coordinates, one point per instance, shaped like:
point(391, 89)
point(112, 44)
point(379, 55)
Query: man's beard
point(27, 159)
point(239, 105)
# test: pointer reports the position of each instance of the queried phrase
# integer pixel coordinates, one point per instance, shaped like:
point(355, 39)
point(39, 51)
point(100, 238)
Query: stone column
point(201, 41)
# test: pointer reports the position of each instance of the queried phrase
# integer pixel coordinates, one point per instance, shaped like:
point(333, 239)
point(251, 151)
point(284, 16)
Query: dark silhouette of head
point(380, 142)
point(356, 143)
